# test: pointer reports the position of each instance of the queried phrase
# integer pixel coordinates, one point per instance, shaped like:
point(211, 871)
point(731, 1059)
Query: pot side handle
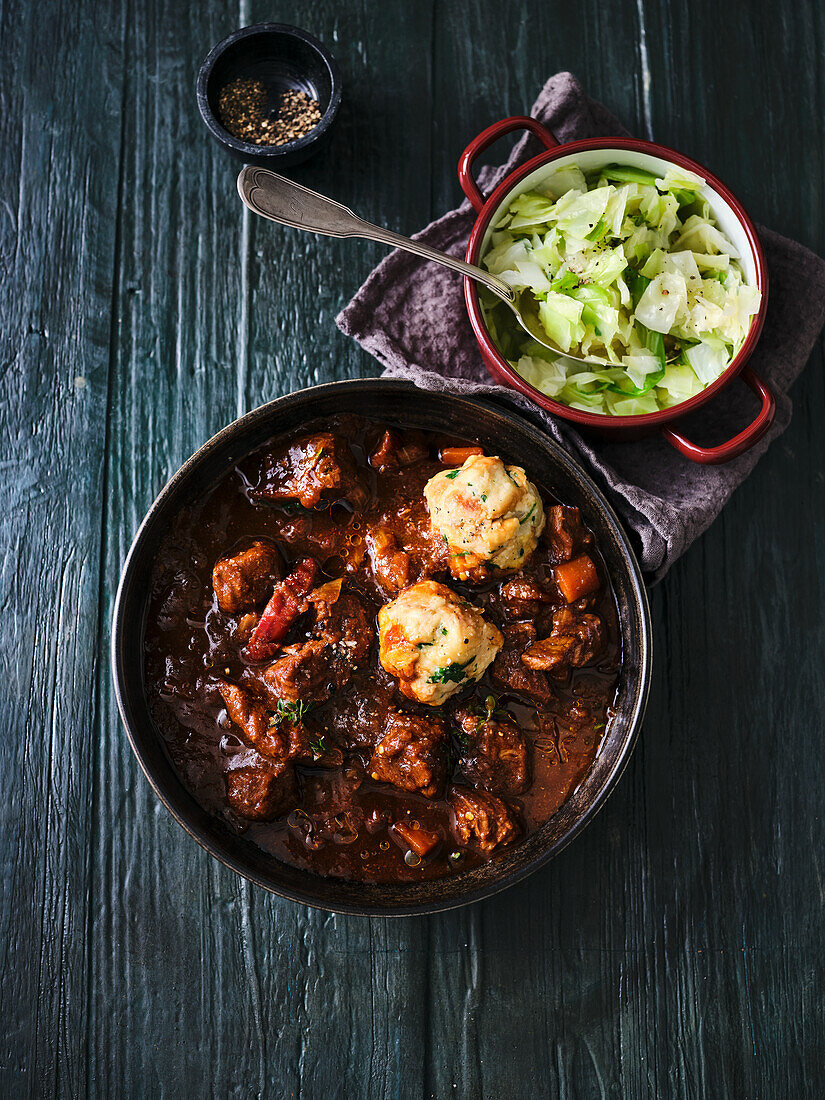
point(485, 139)
point(714, 456)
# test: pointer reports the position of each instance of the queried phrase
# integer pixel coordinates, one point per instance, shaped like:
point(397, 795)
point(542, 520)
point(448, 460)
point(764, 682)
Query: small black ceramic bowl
point(501, 431)
point(284, 59)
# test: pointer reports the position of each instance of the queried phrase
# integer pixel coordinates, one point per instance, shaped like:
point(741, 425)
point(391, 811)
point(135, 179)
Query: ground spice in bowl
point(250, 113)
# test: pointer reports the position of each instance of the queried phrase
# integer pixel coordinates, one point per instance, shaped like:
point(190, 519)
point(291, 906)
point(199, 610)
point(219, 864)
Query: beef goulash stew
point(382, 654)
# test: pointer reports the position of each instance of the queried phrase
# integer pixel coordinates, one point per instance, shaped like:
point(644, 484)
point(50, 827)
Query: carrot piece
point(457, 456)
point(577, 578)
point(421, 841)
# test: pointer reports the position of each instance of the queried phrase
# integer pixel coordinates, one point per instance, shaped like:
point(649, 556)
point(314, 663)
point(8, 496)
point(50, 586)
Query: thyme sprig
point(290, 712)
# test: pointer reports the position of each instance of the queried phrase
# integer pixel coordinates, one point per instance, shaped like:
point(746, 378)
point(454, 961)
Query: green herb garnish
point(318, 746)
point(490, 709)
point(290, 712)
point(528, 515)
point(451, 475)
point(450, 674)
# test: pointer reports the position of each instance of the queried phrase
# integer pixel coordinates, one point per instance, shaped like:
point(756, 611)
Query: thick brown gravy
point(342, 820)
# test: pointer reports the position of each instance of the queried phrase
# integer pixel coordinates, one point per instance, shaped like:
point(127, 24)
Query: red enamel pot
point(590, 155)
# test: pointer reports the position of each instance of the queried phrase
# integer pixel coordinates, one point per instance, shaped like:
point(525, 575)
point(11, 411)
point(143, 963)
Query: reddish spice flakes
point(246, 111)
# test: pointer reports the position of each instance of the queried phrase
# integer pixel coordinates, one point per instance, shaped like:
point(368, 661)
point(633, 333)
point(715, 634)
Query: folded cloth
point(410, 315)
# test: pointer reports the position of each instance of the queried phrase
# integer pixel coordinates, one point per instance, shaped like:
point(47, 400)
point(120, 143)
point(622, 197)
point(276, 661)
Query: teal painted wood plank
point(674, 950)
point(57, 215)
point(215, 314)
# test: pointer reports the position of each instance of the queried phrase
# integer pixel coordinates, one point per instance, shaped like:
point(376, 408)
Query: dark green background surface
point(676, 949)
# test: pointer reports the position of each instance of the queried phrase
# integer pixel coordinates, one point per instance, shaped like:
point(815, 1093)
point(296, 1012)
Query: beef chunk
point(340, 643)
point(313, 533)
point(262, 792)
point(345, 626)
point(393, 451)
point(390, 565)
point(245, 579)
point(359, 718)
point(403, 546)
point(287, 602)
point(411, 754)
point(309, 747)
point(316, 466)
point(251, 716)
point(525, 597)
point(280, 734)
point(301, 673)
point(576, 638)
point(508, 670)
point(496, 758)
point(565, 532)
point(277, 740)
point(481, 820)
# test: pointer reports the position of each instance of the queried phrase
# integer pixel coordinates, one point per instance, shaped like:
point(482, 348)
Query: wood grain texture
point(675, 949)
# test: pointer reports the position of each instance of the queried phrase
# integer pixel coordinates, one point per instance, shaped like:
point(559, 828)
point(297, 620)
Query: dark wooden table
point(676, 949)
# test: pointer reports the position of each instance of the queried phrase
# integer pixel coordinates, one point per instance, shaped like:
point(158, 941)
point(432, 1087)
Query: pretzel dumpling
point(489, 515)
point(434, 642)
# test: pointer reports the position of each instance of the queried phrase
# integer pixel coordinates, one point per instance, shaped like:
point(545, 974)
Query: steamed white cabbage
point(630, 270)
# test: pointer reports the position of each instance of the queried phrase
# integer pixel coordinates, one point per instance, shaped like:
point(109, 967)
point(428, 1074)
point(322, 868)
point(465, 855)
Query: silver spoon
point(281, 200)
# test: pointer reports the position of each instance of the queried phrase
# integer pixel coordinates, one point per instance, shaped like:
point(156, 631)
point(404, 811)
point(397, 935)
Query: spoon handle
point(281, 200)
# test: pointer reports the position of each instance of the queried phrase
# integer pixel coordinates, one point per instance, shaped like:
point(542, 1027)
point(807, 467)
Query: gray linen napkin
point(410, 315)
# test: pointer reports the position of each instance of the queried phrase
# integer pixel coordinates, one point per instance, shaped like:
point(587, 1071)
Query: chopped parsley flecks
point(450, 674)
